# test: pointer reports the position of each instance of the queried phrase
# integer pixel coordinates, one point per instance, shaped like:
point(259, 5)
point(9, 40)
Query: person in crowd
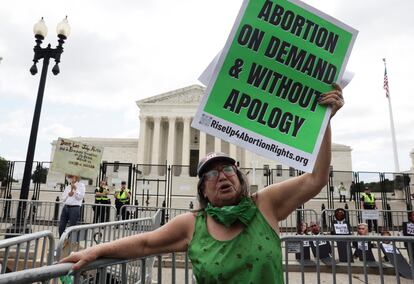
point(102, 197)
point(386, 244)
point(352, 191)
point(302, 229)
point(408, 230)
point(369, 203)
point(393, 255)
point(122, 197)
point(340, 226)
point(72, 198)
point(233, 236)
point(342, 192)
point(321, 249)
point(363, 247)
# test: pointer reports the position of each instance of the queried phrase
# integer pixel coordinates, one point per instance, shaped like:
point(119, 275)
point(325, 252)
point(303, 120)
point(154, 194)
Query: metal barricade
point(379, 261)
point(173, 260)
point(99, 271)
point(76, 238)
point(368, 259)
point(97, 213)
point(36, 216)
point(28, 251)
point(82, 236)
point(136, 211)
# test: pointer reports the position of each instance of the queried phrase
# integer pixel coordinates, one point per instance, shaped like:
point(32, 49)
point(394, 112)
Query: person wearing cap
point(72, 198)
point(369, 203)
point(122, 197)
point(233, 237)
point(102, 197)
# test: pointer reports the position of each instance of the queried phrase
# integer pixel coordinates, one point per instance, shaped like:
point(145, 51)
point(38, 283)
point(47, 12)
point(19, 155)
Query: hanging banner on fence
point(280, 56)
point(77, 158)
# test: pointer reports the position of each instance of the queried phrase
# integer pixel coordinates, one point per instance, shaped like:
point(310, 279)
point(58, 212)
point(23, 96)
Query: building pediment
point(188, 95)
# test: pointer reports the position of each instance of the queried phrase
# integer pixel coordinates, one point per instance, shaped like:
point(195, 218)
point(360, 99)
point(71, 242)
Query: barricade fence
point(76, 238)
point(368, 259)
point(82, 236)
point(25, 216)
point(175, 185)
point(27, 251)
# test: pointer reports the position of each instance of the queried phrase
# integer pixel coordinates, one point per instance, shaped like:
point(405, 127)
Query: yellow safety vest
point(102, 197)
point(122, 196)
point(368, 199)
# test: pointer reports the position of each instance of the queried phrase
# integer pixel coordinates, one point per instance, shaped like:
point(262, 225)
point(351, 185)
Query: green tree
point(4, 167)
point(40, 174)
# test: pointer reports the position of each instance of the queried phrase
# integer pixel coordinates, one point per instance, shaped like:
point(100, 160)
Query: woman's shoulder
point(187, 219)
point(183, 223)
point(188, 216)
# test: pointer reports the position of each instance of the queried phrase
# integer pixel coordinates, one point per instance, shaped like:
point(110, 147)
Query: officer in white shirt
point(72, 197)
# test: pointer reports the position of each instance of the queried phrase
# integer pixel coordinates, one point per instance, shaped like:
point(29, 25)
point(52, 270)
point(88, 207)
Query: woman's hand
point(81, 258)
point(333, 98)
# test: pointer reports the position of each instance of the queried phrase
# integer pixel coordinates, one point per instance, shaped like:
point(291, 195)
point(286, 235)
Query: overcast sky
point(123, 51)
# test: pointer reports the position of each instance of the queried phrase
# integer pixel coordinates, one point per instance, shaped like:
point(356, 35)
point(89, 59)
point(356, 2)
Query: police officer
point(122, 197)
point(102, 197)
point(368, 203)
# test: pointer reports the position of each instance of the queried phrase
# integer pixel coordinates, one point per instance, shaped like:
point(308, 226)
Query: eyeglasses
point(212, 175)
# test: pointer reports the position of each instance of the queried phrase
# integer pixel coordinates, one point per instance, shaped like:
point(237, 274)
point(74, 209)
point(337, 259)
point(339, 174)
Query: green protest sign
point(278, 59)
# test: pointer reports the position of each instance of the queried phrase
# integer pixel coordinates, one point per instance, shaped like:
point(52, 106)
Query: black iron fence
point(175, 185)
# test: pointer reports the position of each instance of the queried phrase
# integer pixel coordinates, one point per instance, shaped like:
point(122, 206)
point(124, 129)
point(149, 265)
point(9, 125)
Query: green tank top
point(253, 256)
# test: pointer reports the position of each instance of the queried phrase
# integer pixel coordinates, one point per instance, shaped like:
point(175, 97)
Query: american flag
point(386, 87)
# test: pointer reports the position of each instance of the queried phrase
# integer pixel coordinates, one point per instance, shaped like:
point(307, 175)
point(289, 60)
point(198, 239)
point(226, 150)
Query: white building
point(167, 138)
point(166, 135)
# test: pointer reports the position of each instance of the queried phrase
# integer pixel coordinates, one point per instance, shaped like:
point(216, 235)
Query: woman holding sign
point(233, 236)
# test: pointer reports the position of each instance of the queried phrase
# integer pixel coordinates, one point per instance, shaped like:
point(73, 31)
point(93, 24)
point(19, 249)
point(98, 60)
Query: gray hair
point(363, 224)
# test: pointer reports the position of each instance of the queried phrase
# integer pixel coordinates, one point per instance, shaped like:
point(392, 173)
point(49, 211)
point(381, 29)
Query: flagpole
point(394, 141)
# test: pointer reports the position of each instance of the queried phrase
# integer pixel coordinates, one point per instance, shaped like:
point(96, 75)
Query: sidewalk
point(296, 277)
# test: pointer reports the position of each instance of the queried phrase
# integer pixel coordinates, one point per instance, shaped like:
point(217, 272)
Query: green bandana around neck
point(227, 215)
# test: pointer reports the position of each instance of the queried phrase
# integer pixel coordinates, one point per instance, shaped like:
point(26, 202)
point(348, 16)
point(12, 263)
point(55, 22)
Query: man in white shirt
point(72, 197)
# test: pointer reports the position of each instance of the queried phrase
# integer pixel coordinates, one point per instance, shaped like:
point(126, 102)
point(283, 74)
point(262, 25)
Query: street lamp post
point(40, 32)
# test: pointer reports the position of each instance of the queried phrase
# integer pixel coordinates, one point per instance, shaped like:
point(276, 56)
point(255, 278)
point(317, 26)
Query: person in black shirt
point(340, 226)
point(352, 191)
point(408, 230)
point(363, 247)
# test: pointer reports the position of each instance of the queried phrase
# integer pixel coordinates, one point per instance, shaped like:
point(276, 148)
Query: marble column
point(142, 137)
point(186, 145)
point(156, 144)
point(203, 145)
point(233, 151)
point(217, 144)
point(412, 159)
point(171, 140)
